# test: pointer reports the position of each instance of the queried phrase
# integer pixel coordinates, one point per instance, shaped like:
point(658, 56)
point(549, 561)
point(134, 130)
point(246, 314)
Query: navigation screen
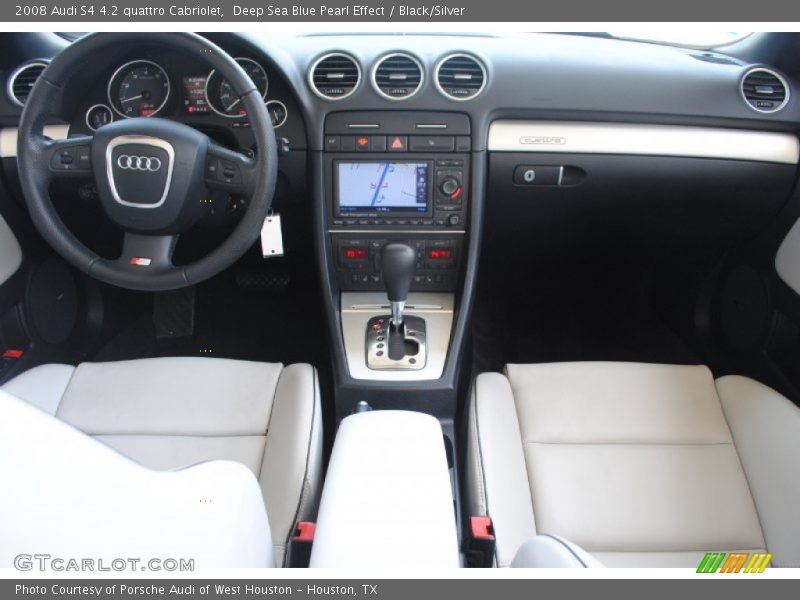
point(383, 186)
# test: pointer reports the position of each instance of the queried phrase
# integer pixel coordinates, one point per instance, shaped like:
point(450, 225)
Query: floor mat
point(231, 322)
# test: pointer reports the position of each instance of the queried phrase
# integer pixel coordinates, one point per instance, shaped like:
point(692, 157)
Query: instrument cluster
point(144, 88)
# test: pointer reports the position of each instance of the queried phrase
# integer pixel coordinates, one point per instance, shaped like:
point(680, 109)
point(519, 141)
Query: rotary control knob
point(450, 186)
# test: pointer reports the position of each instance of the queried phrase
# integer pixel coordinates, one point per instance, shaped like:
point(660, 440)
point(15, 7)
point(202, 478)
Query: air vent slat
point(21, 81)
point(397, 76)
point(335, 76)
point(460, 77)
point(764, 90)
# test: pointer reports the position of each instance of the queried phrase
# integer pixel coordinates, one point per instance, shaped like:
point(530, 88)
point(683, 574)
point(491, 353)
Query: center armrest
point(387, 500)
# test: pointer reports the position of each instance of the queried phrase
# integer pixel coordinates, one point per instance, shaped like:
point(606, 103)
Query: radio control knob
point(449, 186)
point(453, 220)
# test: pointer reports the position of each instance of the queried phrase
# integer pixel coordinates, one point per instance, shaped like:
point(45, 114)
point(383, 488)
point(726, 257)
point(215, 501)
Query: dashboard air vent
point(460, 77)
point(397, 76)
point(335, 76)
point(765, 90)
point(22, 80)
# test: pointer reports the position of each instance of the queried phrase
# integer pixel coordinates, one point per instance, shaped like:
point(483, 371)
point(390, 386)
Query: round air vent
point(335, 76)
point(460, 76)
point(397, 76)
point(765, 90)
point(22, 80)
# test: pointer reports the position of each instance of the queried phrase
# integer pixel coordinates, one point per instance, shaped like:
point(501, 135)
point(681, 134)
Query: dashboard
point(468, 148)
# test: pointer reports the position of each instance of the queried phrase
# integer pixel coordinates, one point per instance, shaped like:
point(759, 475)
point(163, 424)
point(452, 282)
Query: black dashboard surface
point(543, 76)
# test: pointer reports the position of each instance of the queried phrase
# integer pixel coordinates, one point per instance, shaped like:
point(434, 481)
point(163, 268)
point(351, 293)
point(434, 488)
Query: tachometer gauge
point(220, 95)
point(139, 88)
point(277, 112)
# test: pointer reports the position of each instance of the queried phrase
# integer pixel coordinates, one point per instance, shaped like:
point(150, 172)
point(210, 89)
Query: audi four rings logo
point(128, 162)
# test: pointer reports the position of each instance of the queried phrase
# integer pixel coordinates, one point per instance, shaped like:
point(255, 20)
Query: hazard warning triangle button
point(397, 143)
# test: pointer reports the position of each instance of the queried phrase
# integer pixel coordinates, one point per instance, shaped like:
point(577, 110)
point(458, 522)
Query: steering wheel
point(151, 174)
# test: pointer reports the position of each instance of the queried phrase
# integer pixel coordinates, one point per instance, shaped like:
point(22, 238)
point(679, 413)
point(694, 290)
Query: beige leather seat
point(168, 413)
point(639, 465)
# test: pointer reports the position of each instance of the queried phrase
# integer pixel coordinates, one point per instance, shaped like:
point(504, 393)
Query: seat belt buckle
point(480, 543)
point(9, 359)
point(302, 540)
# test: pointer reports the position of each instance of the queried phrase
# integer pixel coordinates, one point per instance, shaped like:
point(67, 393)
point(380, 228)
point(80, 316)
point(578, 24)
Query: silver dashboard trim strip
point(645, 140)
point(8, 138)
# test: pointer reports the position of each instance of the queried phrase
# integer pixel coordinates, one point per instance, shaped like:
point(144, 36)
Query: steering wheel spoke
point(230, 171)
point(70, 158)
point(150, 253)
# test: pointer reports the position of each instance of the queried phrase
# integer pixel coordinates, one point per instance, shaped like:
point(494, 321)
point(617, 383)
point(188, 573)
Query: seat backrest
point(65, 494)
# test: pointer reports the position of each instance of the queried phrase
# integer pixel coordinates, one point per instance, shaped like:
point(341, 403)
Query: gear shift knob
point(397, 266)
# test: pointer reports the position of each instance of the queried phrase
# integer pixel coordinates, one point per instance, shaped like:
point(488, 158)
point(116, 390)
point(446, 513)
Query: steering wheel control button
point(537, 175)
point(72, 158)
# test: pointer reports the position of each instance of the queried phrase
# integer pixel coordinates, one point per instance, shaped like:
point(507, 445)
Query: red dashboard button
point(440, 254)
point(355, 253)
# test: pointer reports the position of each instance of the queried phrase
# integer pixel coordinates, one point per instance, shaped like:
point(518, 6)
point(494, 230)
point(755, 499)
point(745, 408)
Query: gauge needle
point(132, 99)
point(232, 105)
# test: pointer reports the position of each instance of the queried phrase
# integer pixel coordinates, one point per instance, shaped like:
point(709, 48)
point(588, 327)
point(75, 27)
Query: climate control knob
point(450, 186)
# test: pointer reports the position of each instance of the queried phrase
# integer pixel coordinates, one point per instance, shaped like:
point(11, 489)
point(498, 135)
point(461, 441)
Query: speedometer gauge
point(220, 95)
point(139, 88)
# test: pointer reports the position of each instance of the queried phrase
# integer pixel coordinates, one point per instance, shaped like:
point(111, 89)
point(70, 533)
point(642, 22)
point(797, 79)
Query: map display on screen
point(383, 186)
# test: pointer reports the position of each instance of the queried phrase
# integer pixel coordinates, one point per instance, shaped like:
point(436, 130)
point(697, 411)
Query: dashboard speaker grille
point(397, 76)
point(765, 90)
point(460, 77)
point(335, 76)
point(22, 80)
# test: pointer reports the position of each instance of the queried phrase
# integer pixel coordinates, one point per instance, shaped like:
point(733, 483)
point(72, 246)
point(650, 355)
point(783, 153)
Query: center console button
point(332, 143)
point(431, 143)
point(362, 143)
point(397, 143)
point(377, 143)
point(348, 143)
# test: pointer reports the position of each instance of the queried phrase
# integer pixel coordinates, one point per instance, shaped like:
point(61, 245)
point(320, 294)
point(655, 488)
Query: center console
point(388, 498)
point(397, 177)
point(399, 205)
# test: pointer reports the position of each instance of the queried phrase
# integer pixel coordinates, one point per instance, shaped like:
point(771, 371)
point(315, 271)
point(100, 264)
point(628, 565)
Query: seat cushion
point(635, 463)
point(64, 491)
point(166, 413)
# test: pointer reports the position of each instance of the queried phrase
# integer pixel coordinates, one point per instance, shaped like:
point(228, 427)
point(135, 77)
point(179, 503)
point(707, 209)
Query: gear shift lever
point(397, 264)
point(395, 342)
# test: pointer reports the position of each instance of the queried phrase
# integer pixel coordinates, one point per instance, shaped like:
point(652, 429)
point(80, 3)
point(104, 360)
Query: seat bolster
point(107, 506)
point(10, 252)
point(766, 432)
point(291, 469)
point(496, 475)
point(553, 552)
point(42, 386)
